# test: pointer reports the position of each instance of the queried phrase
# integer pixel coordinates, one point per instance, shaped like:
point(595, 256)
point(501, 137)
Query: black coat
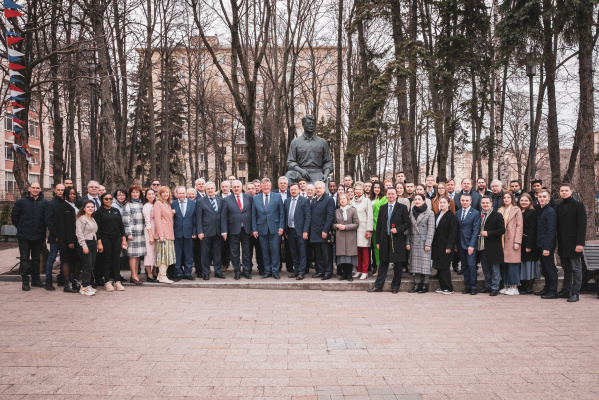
point(64, 222)
point(571, 228)
point(546, 226)
point(53, 206)
point(529, 236)
point(29, 217)
point(495, 227)
point(445, 238)
point(401, 219)
point(322, 216)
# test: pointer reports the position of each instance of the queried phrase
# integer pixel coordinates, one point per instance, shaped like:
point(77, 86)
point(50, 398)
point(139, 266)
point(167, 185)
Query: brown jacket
point(346, 241)
point(513, 234)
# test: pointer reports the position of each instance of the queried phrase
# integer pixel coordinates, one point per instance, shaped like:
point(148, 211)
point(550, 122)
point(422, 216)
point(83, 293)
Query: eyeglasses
point(107, 198)
point(155, 184)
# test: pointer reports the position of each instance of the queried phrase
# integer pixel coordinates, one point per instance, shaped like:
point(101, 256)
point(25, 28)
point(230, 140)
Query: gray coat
point(346, 242)
point(422, 231)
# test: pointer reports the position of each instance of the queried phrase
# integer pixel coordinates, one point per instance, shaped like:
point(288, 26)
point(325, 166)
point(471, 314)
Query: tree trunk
point(339, 93)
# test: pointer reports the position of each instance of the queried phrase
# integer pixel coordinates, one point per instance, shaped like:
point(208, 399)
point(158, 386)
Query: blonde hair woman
point(164, 233)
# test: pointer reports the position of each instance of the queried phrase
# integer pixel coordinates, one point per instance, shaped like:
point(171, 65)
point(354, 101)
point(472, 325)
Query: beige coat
point(364, 208)
point(346, 240)
point(513, 234)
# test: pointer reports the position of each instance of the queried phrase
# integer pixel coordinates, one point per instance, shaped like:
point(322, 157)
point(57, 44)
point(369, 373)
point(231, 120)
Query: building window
point(9, 181)
point(329, 59)
point(34, 178)
point(240, 151)
point(241, 166)
point(329, 103)
point(35, 156)
point(33, 129)
point(259, 89)
point(51, 180)
point(51, 157)
point(202, 158)
point(8, 154)
point(181, 60)
point(259, 105)
point(8, 122)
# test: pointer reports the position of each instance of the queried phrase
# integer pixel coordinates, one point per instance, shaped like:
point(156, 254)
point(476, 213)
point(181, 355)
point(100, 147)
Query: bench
point(8, 231)
point(590, 264)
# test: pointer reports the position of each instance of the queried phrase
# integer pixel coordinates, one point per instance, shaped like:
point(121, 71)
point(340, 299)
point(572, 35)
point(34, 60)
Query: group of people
point(362, 227)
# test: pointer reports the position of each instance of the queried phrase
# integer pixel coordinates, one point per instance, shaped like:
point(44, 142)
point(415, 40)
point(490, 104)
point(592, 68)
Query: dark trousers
point(323, 258)
point(255, 248)
point(197, 255)
point(111, 258)
point(445, 279)
point(52, 254)
point(297, 248)
point(287, 256)
point(271, 248)
point(29, 256)
point(468, 267)
point(549, 271)
point(242, 239)
point(211, 251)
point(456, 261)
point(572, 274)
point(225, 254)
point(87, 261)
point(397, 275)
point(309, 256)
point(183, 255)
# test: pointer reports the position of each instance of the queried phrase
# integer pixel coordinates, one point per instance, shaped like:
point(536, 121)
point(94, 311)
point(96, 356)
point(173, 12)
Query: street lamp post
point(531, 72)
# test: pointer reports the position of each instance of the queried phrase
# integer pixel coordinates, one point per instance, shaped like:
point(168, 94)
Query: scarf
point(416, 211)
point(344, 211)
point(135, 200)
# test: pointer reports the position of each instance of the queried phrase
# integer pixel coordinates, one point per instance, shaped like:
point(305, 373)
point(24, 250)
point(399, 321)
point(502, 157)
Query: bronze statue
point(309, 156)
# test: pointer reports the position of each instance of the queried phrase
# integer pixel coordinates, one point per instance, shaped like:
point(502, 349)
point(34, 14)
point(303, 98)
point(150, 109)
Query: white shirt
point(464, 213)
point(183, 206)
point(451, 195)
point(303, 194)
point(96, 200)
point(292, 205)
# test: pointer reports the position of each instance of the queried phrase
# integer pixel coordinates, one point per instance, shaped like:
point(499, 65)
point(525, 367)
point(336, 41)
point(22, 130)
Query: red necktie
point(239, 204)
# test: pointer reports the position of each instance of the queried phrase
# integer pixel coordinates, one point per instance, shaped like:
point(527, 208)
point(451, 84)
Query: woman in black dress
point(444, 242)
point(65, 231)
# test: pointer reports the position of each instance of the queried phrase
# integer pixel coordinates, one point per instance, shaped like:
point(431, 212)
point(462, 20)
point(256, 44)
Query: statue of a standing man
point(309, 156)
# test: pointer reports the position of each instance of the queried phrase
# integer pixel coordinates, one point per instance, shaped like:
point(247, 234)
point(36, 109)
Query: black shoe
point(189, 277)
point(460, 272)
point(486, 290)
point(343, 277)
point(416, 288)
point(60, 280)
point(541, 292)
point(318, 275)
point(76, 285)
point(276, 276)
point(177, 278)
point(550, 296)
point(266, 276)
point(219, 276)
point(260, 271)
point(151, 279)
point(300, 277)
point(564, 294)
point(466, 291)
point(49, 286)
point(247, 275)
point(25, 285)
point(394, 291)
point(68, 288)
point(435, 277)
point(293, 275)
point(473, 292)
point(424, 288)
point(237, 275)
point(290, 270)
point(374, 290)
point(36, 282)
point(573, 298)
point(492, 292)
point(206, 277)
point(326, 277)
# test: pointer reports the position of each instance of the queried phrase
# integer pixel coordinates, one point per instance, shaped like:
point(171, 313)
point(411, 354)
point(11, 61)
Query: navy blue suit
point(301, 224)
point(287, 255)
point(184, 227)
point(267, 223)
point(468, 231)
point(197, 243)
point(323, 215)
point(209, 224)
point(546, 236)
point(237, 224)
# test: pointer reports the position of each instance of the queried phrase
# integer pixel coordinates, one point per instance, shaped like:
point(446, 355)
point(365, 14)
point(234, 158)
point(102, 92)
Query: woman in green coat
point(378, 198)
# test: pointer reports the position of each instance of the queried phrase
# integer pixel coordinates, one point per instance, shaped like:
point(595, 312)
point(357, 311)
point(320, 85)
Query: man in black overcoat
point(492, 227)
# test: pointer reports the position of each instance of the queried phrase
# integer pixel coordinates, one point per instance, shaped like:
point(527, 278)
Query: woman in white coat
point(364, 207)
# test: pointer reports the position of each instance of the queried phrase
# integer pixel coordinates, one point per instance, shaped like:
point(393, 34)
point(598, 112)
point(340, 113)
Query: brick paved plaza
point(168, 342)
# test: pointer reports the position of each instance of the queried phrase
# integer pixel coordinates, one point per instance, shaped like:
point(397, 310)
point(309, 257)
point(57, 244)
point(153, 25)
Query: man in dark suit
point(184, 225)
point(546, 234)
point(236, 226)
point(323, 214)
point(197, 243)
point(298, 217)
point(333, 192)
point(392, 222)
point(283, 190)
point(468, 231)
point(475, 197)
point(268, 224)
point(571, 237)
point(209, 225)
point(250, 189)
point(490, 247)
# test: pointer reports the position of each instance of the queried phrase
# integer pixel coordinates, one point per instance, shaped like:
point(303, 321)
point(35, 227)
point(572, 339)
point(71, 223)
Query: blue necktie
point(213, 203)
point(389, 220)
point(182, 205)
point(266, 204)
